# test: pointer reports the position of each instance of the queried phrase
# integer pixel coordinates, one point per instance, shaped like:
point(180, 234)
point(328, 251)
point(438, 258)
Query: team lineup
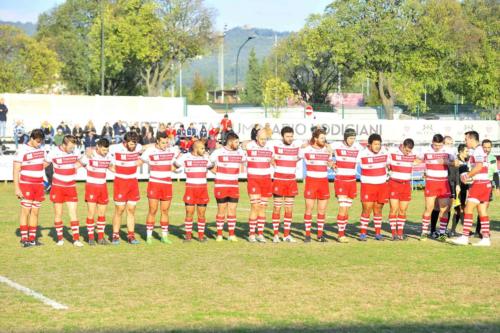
point(385, 176)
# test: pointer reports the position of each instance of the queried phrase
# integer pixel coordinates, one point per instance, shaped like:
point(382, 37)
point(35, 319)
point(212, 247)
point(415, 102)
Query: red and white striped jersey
point(160, 163)
point(400, 165)
point(373, 166)
point(285, 159)
point(228, 164)
point(96, 166)
point(345, 160)
point(64, 167)
point(259, 160)
point(477, 155)
point(316, 160)
point(125, 161)
point(436, 163)
point(195, 168)
point(31, 160)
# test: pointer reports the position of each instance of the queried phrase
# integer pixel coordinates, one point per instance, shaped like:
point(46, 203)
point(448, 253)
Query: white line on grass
point(32, 293)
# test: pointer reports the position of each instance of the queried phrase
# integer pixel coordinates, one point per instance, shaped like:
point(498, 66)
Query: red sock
point(231, 224)
point(467, 224)
point(341, 223)
point(393, 222)
point(485, 226)
point(307, 224)
point(276, 224)
point(219, 221)
point(377, 221)
point(32, 233)
point(261, 222)
point(59, 229)
point(131, 235)
point(188, 225)
point(364, 220)
point(320, 220)
point(401, 224)
point(75, 229)
point(201, 227)
point(287, 224)
point(90, 228)
point(24, 232)
point(101, 225)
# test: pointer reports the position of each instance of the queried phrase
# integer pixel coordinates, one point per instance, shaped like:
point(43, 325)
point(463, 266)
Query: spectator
point(58, 138)
point(268, 130)
point(48, 131)
point(253, 134)
point(89, 128)
point(3, 117)
point(78, 134)
point(184, 145)
point(211, 143)
point(191, 131)
point(90, 142)
point(203, 132)
point(20, 136)
point(181, 134)
point(148, 138)
point(161, 129)
point(214, 132)
point(171, 132)
point(119, 130)
point(137, 129)
point(147, 128)
point(64, 127)
point(225, 125)
point(107, 132)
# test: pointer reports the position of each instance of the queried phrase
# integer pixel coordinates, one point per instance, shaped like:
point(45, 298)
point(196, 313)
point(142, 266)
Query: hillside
point(28, 27)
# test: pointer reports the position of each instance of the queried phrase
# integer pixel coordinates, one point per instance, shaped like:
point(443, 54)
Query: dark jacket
point(107, 131)
point(119, 129)
point(3, 114)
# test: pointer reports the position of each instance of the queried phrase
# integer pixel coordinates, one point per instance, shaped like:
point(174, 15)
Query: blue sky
point(281, 15)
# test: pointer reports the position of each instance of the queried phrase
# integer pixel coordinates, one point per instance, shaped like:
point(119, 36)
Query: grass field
point(356, 287)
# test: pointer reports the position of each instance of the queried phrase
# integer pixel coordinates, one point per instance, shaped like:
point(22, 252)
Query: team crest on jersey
point(225, 158)
point(280, 151)
point(119, 195)
point(30, 156)
point(366, 196)
point(188, 198)
point(398, 157)
point(313, 156)
point(27, 193)
point(344, 152)
point(59, 160)
point(254, 153)
point(91, 196)
point(341, 189)
point(156, 157)
point(370, 160)
point(189, 163)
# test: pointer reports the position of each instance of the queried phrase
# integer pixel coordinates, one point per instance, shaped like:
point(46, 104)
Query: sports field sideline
point(357, 287)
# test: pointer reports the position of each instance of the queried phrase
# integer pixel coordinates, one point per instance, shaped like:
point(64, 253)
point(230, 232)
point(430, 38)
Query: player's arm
point(474, 171)
point(15, 178)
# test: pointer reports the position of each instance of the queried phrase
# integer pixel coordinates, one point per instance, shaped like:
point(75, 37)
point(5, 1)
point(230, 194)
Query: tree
point(26, 64)
point(65, 29)
point(276, 94)
point(254, 80)
point(198, 92)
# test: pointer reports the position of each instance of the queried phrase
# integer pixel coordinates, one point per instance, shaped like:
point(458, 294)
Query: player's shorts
point(437, 188)
point(375, 193)
point(227, 194)
point(479, 192)
point(346, 188)
point(32, 192)
point(261, 186)
point(60, 194)
point(159, 191)
point(126, 191)
point(196, 195)
point(317, 189)
point(285, 188)
point(399, 190)
point(96, 193)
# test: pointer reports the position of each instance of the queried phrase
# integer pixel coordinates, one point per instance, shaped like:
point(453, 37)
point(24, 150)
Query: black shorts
point(463, 194)
point(227, 200)
point(199, 205)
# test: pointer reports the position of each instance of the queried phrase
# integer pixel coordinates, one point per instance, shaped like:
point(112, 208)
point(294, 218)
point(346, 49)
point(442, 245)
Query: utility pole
point(102, 47)
point(180, 79)
point(221, 63)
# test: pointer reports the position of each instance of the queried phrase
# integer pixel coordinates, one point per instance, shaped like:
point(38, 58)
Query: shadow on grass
point(412, 230)
point(375, 328)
